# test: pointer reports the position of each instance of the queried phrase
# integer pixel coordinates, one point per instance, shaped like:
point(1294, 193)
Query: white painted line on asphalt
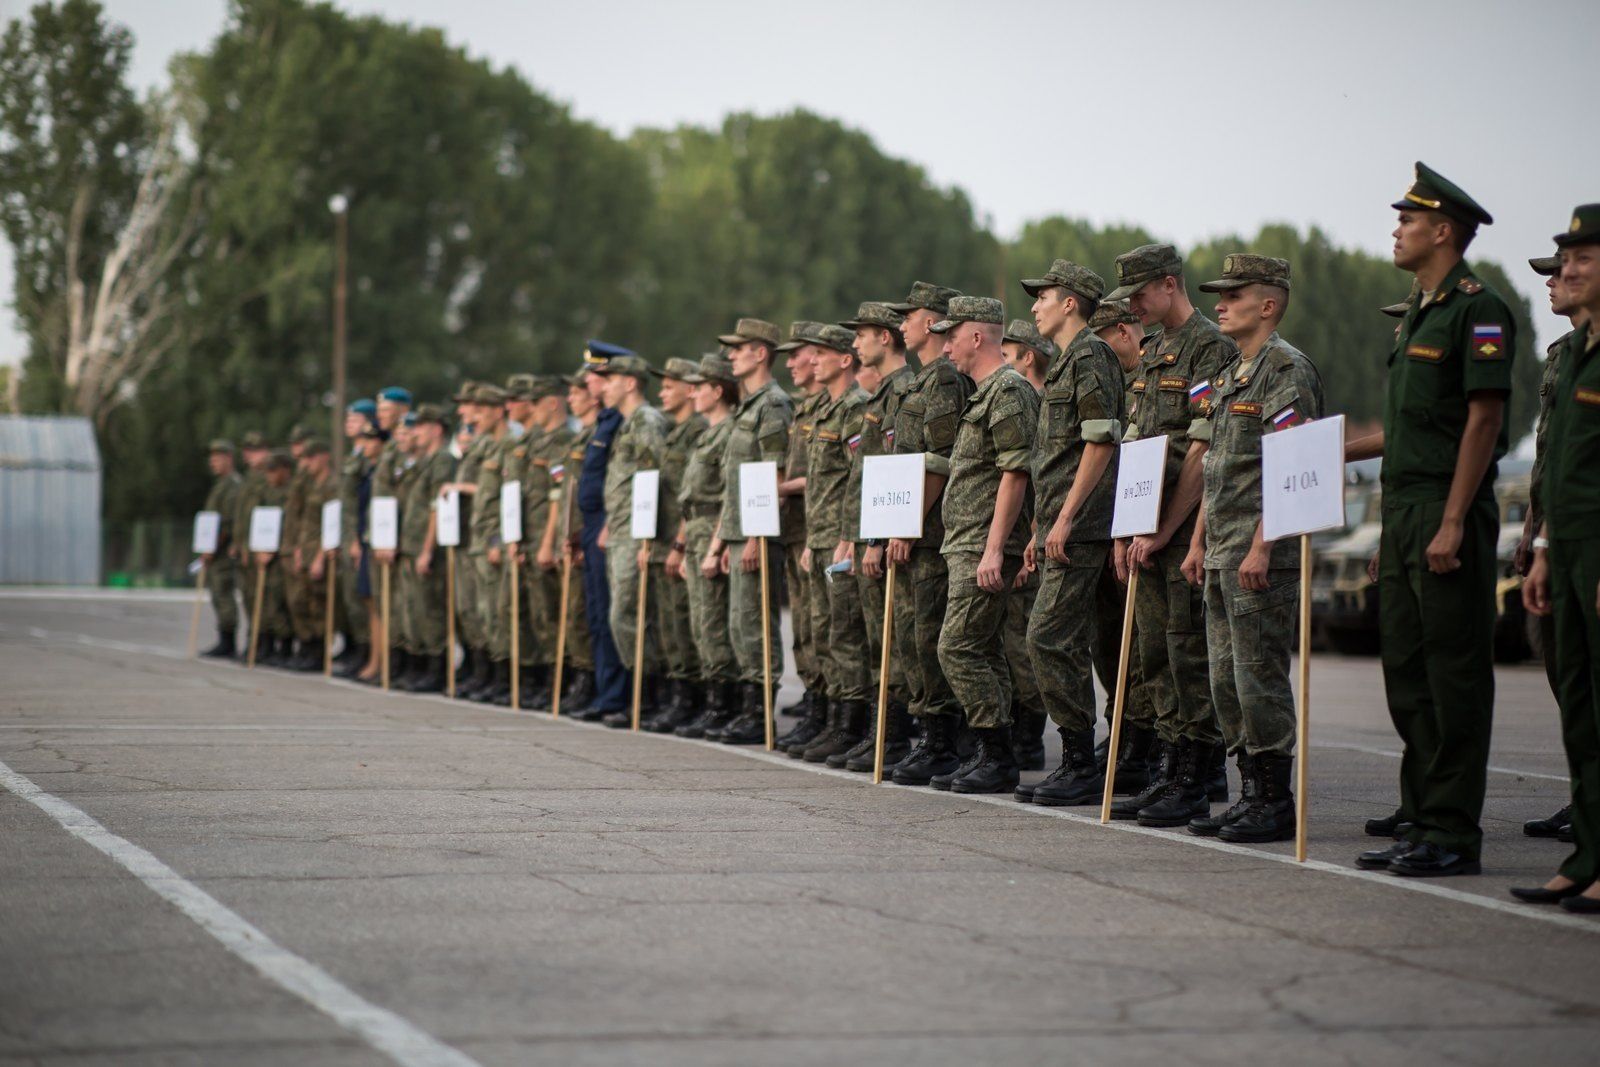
point(1391, 754)
point(378, 1027)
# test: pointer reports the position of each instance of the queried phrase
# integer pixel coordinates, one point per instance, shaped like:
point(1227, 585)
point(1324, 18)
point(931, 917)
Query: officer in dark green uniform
point(1443, 433)
point(1565, 577)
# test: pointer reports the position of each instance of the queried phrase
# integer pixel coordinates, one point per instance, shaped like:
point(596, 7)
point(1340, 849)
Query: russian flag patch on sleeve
point(1286, 418)
point(1488, 341)
point(854, 441)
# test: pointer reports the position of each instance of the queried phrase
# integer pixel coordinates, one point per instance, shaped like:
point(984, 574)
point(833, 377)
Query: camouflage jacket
point(877, 437)
point(485, 518)
point(835, 436)
point(929, 416)
point(995, 436)
point(422, 491)
point(760, 434)
point(1082, 404)
point(1176, 374)
point(682, 439)
point(797, 464)
point(638, 445)
point(224, 500)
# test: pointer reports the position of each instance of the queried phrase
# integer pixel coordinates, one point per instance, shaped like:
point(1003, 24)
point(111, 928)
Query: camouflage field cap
point(714, 367)
point(1432, 190)
point(220, 444)
point(314, 446)
point(1143, 265)
point(971, 309)
point(519, 387)
point(1112, 313)
point(1027, 334)
point(548, 385)
point(679, 370)
point(489, 394)
point(1545, 266)
point(253, 440)
point(926, 295)
point(1069, 276)
point(630, 365)
point(828, 335)
point(464, 392)
point(280, 458)
point(432, 413)
point(1240, 269)
point(875, 313)
point(1583, 229)
point(298, 433)
point(797, 331)
point(751, 330)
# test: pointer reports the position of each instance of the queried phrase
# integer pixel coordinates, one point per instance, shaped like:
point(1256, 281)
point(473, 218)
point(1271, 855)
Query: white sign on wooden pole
point(511, 513)
point(646, 503)
point(1302, 479)
point(1141, 469)
point(207, 529)
point(332, 525)
point(447, 519)
point(385, 532)
point(266, 529)
point(758, 499)
point(891, 496)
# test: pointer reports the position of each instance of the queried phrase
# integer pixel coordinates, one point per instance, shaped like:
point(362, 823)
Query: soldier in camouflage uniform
point(222, 571)
point(422, 568)
point(988, 518)
point(639, 444)
point(395, 474)
point(1180, 363)
point(681, 698)
point(812, 706)
point(929, 416)
point(305, 619)
point(1251, 586)
point(882, 349)
point(542, 494)
point(716, 391)
point(253, 446)
point(1074, 476)
point(486, 557)
point(276, 631)
point(317, 487)
point(837, 625)
point(517, 464)
point(578, 677)
point(760, 433)
point(353, 470)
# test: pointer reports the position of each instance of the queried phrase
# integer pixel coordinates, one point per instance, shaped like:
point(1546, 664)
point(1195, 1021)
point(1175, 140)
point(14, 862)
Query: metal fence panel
point(49, 501)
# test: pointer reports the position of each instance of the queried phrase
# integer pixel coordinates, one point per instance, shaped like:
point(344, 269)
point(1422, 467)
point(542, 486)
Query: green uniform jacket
point(796, 464)
point(485, 518)
point(927, 422)
point(426, 478)
point(1082, 403)
point(682, 439)
point(878, 416)
point(1173, 362)
point(760, 434)
point(224, 500)
point(638, 445)
point(1572, 466)
point(835, 436)
point(1547, 392)
point(996, 436)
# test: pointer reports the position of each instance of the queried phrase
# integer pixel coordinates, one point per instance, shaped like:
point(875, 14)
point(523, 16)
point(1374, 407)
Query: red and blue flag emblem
point(1286, 418)
point(1488, 340)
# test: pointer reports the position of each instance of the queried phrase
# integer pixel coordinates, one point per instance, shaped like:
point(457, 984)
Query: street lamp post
point(340, 206)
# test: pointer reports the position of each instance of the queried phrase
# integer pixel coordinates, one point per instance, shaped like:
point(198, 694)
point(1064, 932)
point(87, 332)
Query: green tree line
point(492, 232)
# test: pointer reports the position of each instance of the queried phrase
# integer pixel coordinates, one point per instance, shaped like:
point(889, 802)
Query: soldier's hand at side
point(1442, 549)
point(604, 538)
point(642, 557)
point(1119, 560)
point(991, 576)
point(1372, 568)
point(1536, 588)
point(843, 551)
point(805, 560)
point(711, 565)
point(1194, 565)
point(425, 562)
point(546, 558)
point(872, 561)
point(316, 567)
point(1142, 552)
point(724, 562)
point(1030, 563)
point(750, 558)
point(494, 555)
point(674, 566)
point(899, 551)
point(1055, 542)
point(1021, 579)
point(1253, 571)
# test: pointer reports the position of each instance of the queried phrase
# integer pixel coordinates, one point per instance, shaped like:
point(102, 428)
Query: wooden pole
point(1122, 694)
point(327, 614)
point(1303, 743)
point(255, 613)
point(516, 633)
point(561, 634)
point(883, 676)
point(766, 644)
point(194, 617)
point(450, 621)
point(385, 660)
point(638, 637)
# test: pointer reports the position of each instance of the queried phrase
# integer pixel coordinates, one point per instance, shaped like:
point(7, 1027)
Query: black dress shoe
point(1566, 836)
point(1379, 858)
point(1541, 895)
point(1582, 905)
point(1389, 826)
point(1550, 827)
point(1428, 860)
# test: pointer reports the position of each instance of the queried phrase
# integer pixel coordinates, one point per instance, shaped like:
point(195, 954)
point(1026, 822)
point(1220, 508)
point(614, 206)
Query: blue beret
point(598, 352)
point(410, 419)
point(396, 395)
point(364, 407)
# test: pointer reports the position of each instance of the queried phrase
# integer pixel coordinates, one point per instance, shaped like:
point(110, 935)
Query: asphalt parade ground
point(208, 865)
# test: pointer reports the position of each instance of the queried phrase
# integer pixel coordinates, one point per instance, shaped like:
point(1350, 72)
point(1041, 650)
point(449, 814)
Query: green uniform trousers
point(744, 613)
point(1438, 668)
point(486, 606)
point(579, 653)
point(708, 607)
point(355, 608)
point(1251, 634)
point(423, 598)
point(1172, 647)
point(838, 629)
point(222, 582)
point(274, 605)
point(1110, 604)
point(971, 644)
point(930, 593)
point(1574, 578)
point(1061, 634)
point(622, 570)
point(543, 589)
point(808, 663)
point(870, 591)
point(1019, 610)
point(679, 656)
point(469, 628)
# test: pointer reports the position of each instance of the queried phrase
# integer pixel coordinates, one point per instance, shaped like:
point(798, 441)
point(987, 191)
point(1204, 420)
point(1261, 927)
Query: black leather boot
point(225, 648)
point(1271, 816)
point(994, 768)
point(852, 725)
point(814, 721)
point(498, 691)
point(1133, 760)
point(352, 652)
point(430, 679)
point(967, 751)
point(750, 727)
point(713, 713)
point(527, 686)
point(683, 703)
point(1027, 738)
point(804, 708)
point(1166, 756)
point(399, 668)
point(799, 707)
point(310, 656)
point(1209, 825)
point(864, 756)
point(1078, 780)
point(536, 696)
point(580, 690)
point(477, 678)
point(1185, 796)
point(1215, 775)
point(357, 660)
point(934, 753)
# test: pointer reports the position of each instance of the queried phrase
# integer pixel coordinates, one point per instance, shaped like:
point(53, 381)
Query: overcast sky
point(1193, 119)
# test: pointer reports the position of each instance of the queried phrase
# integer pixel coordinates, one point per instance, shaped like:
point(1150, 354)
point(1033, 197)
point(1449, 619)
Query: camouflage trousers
point(1170, 614)
point(542, 594)
point(422, 605)
point(578, 652)
point(1250, 634)
point(680, 659)
point(1061, 634)
point(918, 642)
point(355, 608)
point(1019, 610)
point(744, 613)
point(469, 628)
point(971, 645)
point(708, 606)
point(526, 642)
point(489, 596)
point(274, 608)
point(838, 629)
point(307, 599)
point(870, 591)
point(808, 661)
point(622, 570)
point(1110, 601)
point(222, 582)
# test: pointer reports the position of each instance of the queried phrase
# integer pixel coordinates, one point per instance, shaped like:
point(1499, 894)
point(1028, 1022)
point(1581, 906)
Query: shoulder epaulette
point(1470, 285)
